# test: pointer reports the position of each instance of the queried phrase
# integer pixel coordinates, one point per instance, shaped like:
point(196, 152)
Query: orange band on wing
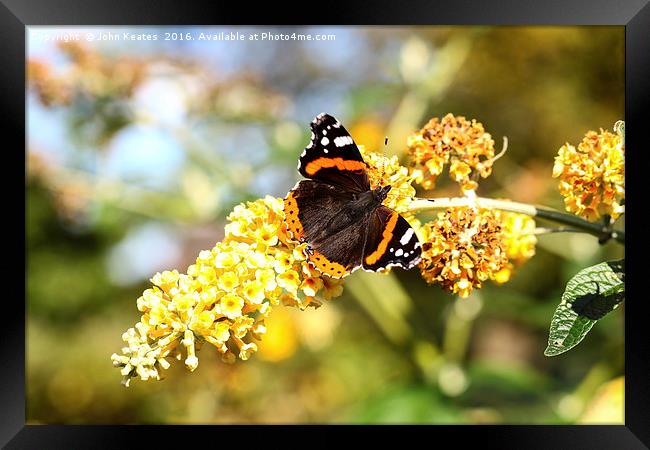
point(291, 217)
point(386, 236)
point(340, 163)
point(328, 267)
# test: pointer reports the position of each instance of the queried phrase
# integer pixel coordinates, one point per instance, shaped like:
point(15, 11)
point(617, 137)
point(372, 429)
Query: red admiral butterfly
point(338, 214)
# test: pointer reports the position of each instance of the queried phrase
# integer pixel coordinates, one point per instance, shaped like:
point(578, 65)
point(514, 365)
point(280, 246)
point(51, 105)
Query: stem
point(546, 230)
point(599, 230)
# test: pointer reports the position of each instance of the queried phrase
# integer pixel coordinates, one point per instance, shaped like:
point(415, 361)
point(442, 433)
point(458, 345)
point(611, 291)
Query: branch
point(599, 230)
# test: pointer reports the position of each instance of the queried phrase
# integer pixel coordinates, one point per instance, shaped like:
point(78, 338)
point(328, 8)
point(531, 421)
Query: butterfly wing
point(333, 157)
point(341, 253)
point(321, 211)
point(391, 241)
point(315, 213)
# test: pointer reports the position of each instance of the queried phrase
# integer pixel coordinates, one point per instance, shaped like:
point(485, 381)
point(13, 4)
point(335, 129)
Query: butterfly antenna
point(383, 163)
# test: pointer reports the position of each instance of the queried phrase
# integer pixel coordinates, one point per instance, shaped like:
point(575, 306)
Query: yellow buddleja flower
point(592, 176)
point(225, 297)
point(518, 236)
point(383, 171)
point(462, 248)
point(453, 140)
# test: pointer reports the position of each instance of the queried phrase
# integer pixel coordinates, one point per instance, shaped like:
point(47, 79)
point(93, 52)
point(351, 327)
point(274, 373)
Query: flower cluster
point(384, 171)
point(592, 176)
point(456, 141)
point(518, 235)
point(225, 296)
point(519, 239)
point(463, 248)
point(466, 246)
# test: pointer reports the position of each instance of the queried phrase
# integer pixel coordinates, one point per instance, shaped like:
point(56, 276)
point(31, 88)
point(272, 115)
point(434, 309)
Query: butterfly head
point(381, 193)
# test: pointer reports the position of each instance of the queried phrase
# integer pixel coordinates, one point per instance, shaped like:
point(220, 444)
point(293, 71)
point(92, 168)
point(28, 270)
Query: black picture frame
point(16, 15)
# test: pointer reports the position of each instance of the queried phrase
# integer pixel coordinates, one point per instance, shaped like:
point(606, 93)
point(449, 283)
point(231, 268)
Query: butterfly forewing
point(333, 157)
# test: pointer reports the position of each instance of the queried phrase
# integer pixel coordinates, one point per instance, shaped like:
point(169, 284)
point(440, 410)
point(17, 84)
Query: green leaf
point(590, 295)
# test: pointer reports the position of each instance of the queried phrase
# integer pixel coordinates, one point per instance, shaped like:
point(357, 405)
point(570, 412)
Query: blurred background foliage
point(137, 151)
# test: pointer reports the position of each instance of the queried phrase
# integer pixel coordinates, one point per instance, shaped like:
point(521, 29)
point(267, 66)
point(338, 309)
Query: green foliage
point(590, 295)
point(408, 404)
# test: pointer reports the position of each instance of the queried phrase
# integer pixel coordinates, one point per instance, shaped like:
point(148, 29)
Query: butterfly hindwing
point(333, 157)
point(341, 253)
point(310, 206)
point(391, 241)
point(313, 213)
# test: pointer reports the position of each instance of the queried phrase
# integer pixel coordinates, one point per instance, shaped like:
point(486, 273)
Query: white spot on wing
point(324, 132)
point(304, 152)
point(407, 236)
point(399, 252)
point(324, 141)
point(342, 141)
point(325, 150)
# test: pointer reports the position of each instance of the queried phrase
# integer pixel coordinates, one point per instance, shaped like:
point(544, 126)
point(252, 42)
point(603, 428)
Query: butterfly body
point(339, 215)
point(358, 209)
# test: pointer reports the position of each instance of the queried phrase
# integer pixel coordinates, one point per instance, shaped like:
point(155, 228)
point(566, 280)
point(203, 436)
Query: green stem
point(547, 230)
point(597, 229)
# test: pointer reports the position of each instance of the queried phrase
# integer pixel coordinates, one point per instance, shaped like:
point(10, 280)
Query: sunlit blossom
point(592, 175)
point(518, 236)
point(224, 297)
point(383, 171)
point(453, 140)
point(463, 247)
